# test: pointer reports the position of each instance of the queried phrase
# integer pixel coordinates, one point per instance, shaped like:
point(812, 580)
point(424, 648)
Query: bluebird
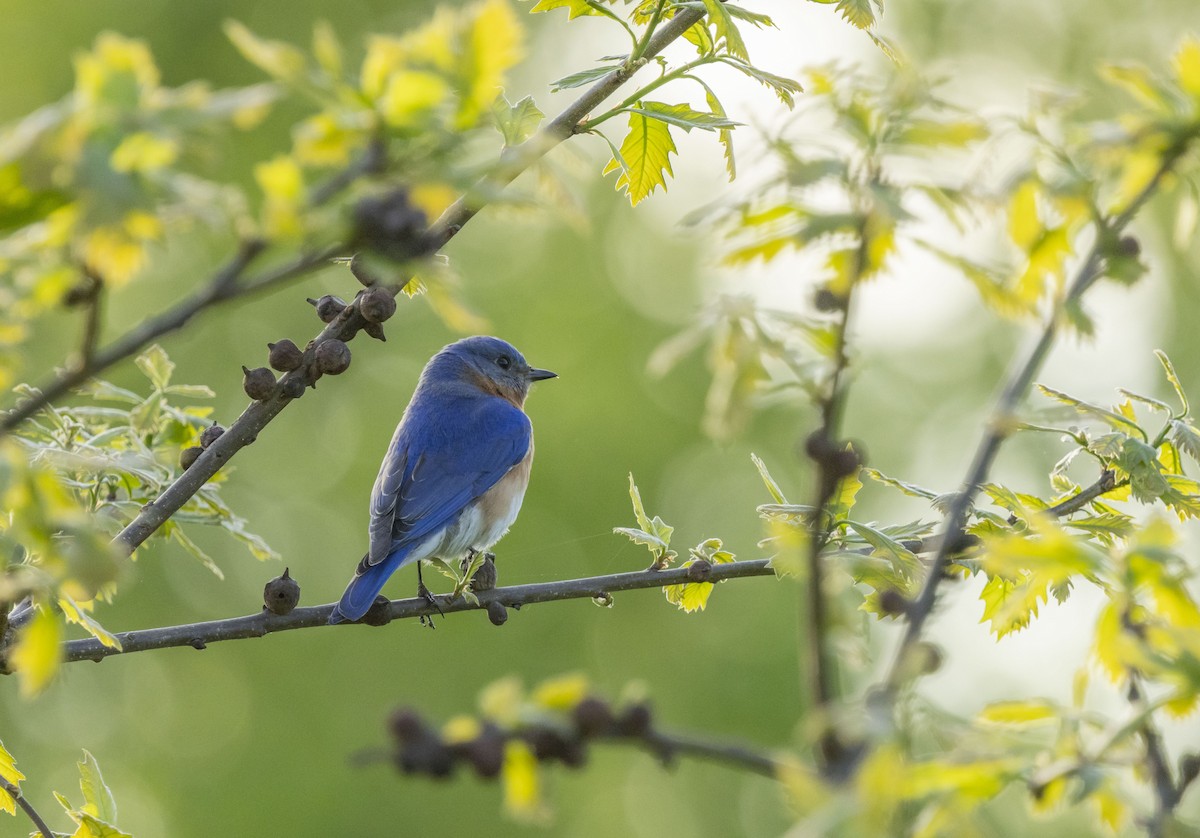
point(455, 474)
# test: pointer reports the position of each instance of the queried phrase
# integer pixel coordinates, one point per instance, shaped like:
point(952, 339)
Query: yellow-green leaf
point(646, 152)
point(575, 8)
point(98, 798)
point(727, 29)
point(8, 770)
point(1032, 711)
point(1023, 222)
point(276, 58)
point(562, 692)
point(38, 652)
point(1187, 66)
point(522, 790)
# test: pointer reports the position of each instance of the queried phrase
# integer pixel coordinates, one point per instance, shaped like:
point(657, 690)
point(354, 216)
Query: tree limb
point(26, 807)
point(199, 635)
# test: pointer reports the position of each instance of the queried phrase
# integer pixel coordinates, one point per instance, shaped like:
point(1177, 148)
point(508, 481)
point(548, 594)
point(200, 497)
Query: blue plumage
point(455, 473)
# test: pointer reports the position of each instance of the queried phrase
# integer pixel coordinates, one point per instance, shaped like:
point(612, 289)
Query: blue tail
point(368, 581)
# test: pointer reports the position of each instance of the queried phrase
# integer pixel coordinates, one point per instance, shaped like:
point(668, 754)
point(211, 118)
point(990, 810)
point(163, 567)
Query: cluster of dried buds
point(422, 749)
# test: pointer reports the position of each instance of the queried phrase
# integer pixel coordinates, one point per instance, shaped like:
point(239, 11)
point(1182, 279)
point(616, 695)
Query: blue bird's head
point(489, 364)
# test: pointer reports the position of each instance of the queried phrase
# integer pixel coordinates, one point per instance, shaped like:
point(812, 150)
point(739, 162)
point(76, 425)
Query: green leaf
point(785, 89)
point(1187, 436)
point(177, 533)
point(903, 559)
point(156, 366)
point(772, 486)
point(277, 58)
point(641, 537)
point(910, 489)
point(725, 135)
point(857, 12)
point(646, 152)
point(76, 613)
point(1009, 604)
point(97, 796)
point(684, 116)
point(727, 29)
point(575, 8)
point(1116, 420)
point(518, 122)
point(842, 502)
point(1169, 368)
point(756, 19)
point(581, 78)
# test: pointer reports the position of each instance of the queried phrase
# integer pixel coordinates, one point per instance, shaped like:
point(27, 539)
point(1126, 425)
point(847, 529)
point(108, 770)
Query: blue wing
point(435, 467)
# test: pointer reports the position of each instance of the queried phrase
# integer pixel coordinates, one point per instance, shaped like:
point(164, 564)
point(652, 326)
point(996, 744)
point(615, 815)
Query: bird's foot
point(425, 594)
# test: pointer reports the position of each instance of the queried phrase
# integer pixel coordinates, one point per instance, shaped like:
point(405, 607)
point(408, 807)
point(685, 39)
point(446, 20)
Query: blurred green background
point(255, 737)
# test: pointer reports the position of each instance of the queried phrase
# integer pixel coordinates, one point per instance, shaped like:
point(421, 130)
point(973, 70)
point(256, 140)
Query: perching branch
point(1001, 420)
point(256, 417)
point(1166, 794)
point(26, 807)
point(199, 635)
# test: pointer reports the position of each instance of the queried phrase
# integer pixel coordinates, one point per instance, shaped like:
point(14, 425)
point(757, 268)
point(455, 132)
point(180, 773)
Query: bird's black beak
point(541, 375)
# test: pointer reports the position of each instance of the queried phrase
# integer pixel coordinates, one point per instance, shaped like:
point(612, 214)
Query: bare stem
point(199, 635)
point(26, 807)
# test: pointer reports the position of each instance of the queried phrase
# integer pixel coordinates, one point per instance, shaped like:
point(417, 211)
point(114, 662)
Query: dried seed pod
point(328, 307)
point(592, 716)
point(497, 613)
point(188, 456)
point(388, 224)
point(281, 594)
point(486, 753)
point(333, 357)
point(211, 434)
point(635, 721)
point(376, 305)
point(258, 383)
point(405, 724)
point(375, 330)
point(285, 356)
point(293, 387)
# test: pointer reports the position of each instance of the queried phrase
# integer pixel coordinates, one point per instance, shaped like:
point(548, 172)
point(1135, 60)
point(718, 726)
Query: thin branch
point(199, 635)
point(26, 807)
point(1001, 420)
point(731, 754)
point(93, 294)
point(219, 289)
point(1166, 795)
point(1107, 483)
point(517, 159)
point(256, 417)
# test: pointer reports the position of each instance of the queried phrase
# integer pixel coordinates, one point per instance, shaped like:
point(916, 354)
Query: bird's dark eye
point(504, 362)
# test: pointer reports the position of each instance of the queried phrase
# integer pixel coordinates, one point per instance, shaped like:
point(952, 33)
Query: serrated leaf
point(646, 153)
point(726, 28)
point(156, 366)
point(857, 12)
point(756, 19)
point(575, 8)
point(8, 770)
point(785, 89)
point(639, 510)
point(1009, 604)
point(683, 116)
point(902, 559)
point(1185, 435)
point(1115, 420)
